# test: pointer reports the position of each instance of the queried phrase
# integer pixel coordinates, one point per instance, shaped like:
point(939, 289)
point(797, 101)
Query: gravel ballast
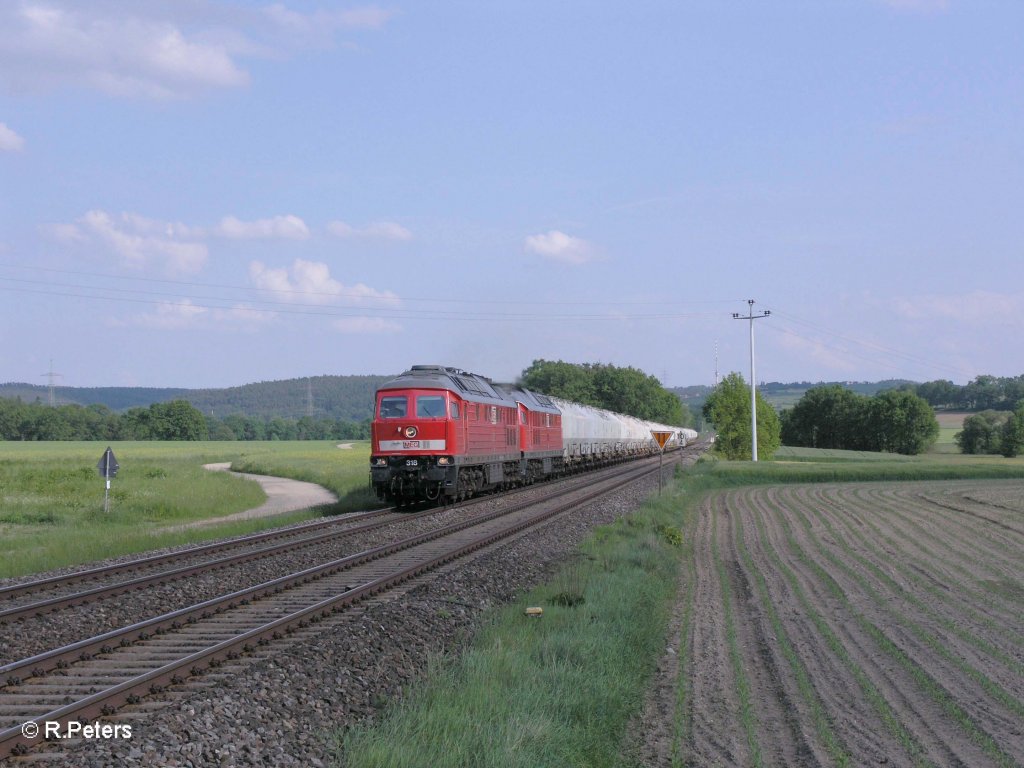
point(282, 706)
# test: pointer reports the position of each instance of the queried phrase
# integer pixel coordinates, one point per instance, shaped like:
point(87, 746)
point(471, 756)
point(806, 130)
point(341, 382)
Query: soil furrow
point(894, 545)
point(923, 718)
point(947, 667)
point(782, 737)
point(716, 734)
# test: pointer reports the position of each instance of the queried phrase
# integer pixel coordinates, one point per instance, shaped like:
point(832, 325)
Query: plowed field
point(848, 624)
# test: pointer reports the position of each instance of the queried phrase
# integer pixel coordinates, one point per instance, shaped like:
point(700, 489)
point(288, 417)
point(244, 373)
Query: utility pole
point(753, 391)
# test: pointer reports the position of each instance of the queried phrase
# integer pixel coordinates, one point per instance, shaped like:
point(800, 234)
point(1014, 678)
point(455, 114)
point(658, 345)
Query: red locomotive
point(442, 434)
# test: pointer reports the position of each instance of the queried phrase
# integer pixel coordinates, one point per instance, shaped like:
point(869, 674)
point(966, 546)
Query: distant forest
point(345, 398)
point(340, 407)
point(981, 393)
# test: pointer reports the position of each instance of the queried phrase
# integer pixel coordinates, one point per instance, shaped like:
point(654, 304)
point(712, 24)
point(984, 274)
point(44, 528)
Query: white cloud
point(245, 315)
point(183, 314)
point(158, 50)
point(9, 140)
point(974, 308)
point(139, 241)
point(377, 230)
point(365, 325)
point(174, 315)
point(918, 6)
point(64, 233)
point(559, 246)
point(310, 282)
point(279, 227)
point(318, 24)
point(117, 51)
point(830, 358)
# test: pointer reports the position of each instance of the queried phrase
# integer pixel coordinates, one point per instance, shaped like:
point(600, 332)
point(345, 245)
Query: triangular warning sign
point(661, 437)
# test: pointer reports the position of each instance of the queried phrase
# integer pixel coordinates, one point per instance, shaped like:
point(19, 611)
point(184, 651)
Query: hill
point(349, 398)
point(114, 398)
point(785, 395)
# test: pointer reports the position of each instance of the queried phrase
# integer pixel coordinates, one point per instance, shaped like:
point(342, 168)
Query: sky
point(204, 193)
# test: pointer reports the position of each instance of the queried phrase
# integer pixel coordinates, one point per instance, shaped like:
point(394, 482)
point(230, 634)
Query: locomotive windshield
point(429, 407)
point(393, 407)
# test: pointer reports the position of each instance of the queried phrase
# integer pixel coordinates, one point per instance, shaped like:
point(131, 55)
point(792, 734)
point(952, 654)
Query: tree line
point(830, 416)
point(980, 394)
point(623, 390)
point(993, 432)
point(174, 420)
point(894, 421)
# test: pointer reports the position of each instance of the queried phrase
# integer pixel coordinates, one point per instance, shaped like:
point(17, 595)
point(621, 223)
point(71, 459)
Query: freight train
point(441, 434)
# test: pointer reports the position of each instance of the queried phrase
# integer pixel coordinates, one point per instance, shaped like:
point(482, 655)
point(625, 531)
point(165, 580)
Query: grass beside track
point(51, 495)
point(564, 689)
point(556, 690)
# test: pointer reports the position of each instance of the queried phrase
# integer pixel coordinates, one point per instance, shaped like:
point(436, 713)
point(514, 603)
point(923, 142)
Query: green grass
point(554, 691)
point(816, 465)
point(52, 497)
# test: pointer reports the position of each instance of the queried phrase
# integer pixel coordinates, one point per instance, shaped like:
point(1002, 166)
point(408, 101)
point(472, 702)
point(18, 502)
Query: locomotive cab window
point(455, 410)
point(430, 407)
point(393, 407)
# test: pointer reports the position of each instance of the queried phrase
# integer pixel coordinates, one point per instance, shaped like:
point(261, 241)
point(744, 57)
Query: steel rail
point(58, 658)
point(14, 741)
point(14, 590)
point(111, 590)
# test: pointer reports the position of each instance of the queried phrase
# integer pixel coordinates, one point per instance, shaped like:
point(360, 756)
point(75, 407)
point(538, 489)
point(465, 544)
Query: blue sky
point(200, 193)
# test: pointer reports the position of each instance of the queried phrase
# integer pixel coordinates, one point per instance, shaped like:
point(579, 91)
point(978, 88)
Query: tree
point(982, 432)
point(983, 392)
point(902, 422)
point(177, 420)
point(940, 393)
point(1013, 432)
point(622, 390)
point(560, 379)
point(825, 417)
point(728, 408)
point(12, 414)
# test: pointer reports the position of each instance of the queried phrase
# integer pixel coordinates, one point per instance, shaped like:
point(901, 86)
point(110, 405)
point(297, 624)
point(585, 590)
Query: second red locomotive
point(442, 434)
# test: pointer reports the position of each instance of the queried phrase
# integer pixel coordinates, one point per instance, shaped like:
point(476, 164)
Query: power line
point(332, 294)
point(945, 367)
point(293, 308)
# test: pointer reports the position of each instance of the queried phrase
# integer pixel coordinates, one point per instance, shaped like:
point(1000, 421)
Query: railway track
point(13, 595)
point(93, 677)
point(42, 596)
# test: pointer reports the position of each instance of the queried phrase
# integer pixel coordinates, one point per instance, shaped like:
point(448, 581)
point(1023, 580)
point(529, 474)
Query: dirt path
point(283, 495)
point(859, 624)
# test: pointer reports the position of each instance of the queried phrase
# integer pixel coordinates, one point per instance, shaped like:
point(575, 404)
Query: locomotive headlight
point(411, 432)
point(443, 461)
point(379, 461)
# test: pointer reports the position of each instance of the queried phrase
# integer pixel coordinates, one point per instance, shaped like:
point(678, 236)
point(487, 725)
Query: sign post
point(108, 467)
point(662, 438)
